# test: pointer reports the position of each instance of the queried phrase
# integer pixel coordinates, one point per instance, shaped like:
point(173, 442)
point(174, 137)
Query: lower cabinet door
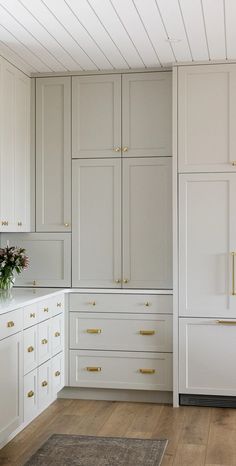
point(30, 395)
point(44, 385)
point(44, 341)
point(115, 369)
point(30, 349)
point(57, 333)
point(11, 385)
point(206, 356)
point(57, 373)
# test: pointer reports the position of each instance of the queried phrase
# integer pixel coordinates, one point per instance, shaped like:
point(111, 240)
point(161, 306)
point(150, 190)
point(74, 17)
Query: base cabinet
point(207, 351)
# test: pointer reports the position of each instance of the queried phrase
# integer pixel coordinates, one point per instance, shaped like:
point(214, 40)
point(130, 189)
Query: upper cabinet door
point(96, 116)
point(146, 114)
point(96, 232)
point(147, 225)
point(53, 154)
point(207, 118)
point(207, 238)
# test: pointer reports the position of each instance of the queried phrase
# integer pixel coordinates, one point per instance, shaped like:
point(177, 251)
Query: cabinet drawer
point(57, 334)
point(58, 304)
point(44, 310)
point(30, 349)
point(57, 373)
point(44, 341)
point(103, 369)
point(30, 395)
point(140, 303)
point(30, 314)
point(127, 332)
point(44, 385)
point(10, 323)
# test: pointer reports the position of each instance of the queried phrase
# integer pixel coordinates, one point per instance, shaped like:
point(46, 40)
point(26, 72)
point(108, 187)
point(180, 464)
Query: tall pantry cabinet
point(207, 229)
point(121, 194)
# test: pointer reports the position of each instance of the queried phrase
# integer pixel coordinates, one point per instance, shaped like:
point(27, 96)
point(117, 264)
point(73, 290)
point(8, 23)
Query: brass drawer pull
point(92, 303)
point(94, 330)
point(45, 309)
point(4, 223)
point(234, 163)
point(34, 282)
point(32, 315)
point(117, 149)
point(57, 334)
point(57, 373)
point(125, 149)
point(66, 225)
point(30, 394)
point(125, 280)
point(148, 304)
point(93, 369)
point(58, 304)
point(147, 371)
point(19, 224)
point(118, 281)
point(226, 322)
point(44, 383)
point(10, 324)
point(30, 349)
point(147, 332)
point(44, 341)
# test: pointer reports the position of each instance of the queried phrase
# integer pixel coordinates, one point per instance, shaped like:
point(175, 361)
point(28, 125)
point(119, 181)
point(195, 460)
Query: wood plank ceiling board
point(230, 22)
point(172, 19)
point(194, 24)
point(214, 17)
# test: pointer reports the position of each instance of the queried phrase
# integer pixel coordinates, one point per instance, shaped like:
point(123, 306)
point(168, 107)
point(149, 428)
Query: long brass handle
point(147, 332)
point(226, 322)
point(44, 341)
point(44, 383)
point(57, 373)
point(30, 394)
point(93, 369)
point(233, 254)
point(32, 315)
point(30, 349)
point(94, 330)
point(10, 324)
point(147, 371)
point(57, 334)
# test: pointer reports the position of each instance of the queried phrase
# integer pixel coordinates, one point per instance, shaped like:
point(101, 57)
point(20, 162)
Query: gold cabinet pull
point(44, 383)
point(147, 332)
point(19, 224)
point(125, 280)
point(45, 309)
point(226, 322)
point(30, 394)
point(58, 304)
point(44, 341)
point(147, 371)
point(32, 315)
point(92, 303)
point(125, 149)
point(66, 224)
point(118, 281)
point(34, 282)
point(93, 369)
point(147, 304)
point(94, 330)
point(234, 163)
point(30, 349)
point(10, 324)
point(57, 334)
point(57, 373)
point(4, 223)
point(233, 254)
point(117, 149)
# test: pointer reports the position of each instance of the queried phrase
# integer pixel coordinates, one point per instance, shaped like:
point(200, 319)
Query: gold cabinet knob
point(147, 332)
point(44, 341)
point(32, 315)
point(10, 324)
point(30, 349)
point(125, 280)
point(94, 330)
point(118, 281)
point(57, 334)
point(125, 149)
point(117, 149)
point(44, 383)
point(34, 282)
point(30, 394)
point(66, 224)
point(93, 369)
point(234, 163)
point(57, 373)
point(148, 304)
point(92, 303)
point(147, 371)
point(45, 309)
point(58, 304)
point(19, 224)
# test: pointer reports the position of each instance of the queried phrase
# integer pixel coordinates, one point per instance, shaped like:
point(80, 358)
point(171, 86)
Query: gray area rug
point(76, 450)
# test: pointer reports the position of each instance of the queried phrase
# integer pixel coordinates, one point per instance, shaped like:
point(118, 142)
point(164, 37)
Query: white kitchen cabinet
point(14, 149)
point(30, 395)
point(96, 232)
point(44, 341)
point(96, 116)
point(206, 353)
point(207, 239)
point(30, 349)
point(44, 385)
point(57, 373)
point(57, 334)
point(53, 154)
point(147, 223)
point(207, 118)
point(50, 258)
point(146, 114)
point(11, 387)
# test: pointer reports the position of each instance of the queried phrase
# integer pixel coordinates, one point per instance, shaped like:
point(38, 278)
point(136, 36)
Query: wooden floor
point(197, 436)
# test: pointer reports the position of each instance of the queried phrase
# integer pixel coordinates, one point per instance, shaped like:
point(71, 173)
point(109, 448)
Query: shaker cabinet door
point(53, 154)
point(96, 233)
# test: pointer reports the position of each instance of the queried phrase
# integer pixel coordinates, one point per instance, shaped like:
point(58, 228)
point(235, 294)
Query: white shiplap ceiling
point(46, 36)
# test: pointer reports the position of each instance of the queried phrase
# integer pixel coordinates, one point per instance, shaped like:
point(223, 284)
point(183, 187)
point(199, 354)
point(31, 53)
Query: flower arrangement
point(12, 259)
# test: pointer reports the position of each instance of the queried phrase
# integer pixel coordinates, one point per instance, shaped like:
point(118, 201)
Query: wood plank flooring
point(197, 436)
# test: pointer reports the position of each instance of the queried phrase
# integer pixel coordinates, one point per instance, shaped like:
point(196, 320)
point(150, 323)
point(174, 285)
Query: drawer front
point(30, 315)
point(30, 349)
point(44, 310)
point(44, 385)
point(127, 332)
point(138, 303)
point(57, 373)
point(10, 323)
point(58, 304)
point(103, 369)
point(30, 395)
point(57, 334)
point(44, 341)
